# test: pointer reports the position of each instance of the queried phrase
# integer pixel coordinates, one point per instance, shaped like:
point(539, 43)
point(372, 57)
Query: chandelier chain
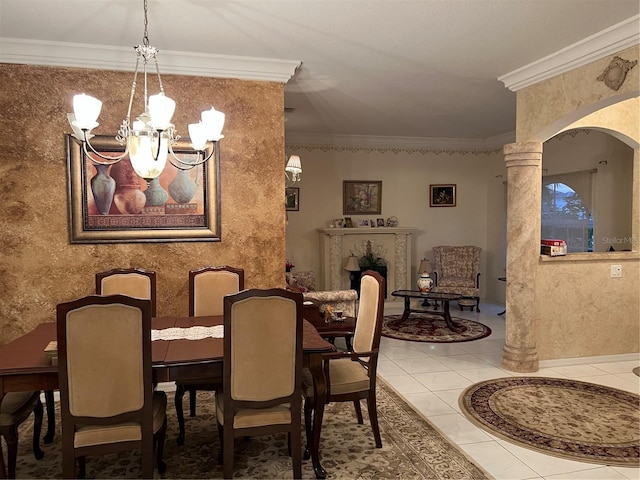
point(145, 37)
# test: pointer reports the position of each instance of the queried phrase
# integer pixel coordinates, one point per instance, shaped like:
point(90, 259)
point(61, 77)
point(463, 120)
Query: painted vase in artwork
point(182, 188)
point(103, 187)
point(128, 198)
point(425, 283)
point(155, 194)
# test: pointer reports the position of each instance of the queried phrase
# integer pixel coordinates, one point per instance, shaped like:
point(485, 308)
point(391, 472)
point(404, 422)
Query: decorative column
point(524, 192)
point(335, 259)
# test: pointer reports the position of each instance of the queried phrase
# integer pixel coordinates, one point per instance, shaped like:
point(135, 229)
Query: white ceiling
point(384, 68)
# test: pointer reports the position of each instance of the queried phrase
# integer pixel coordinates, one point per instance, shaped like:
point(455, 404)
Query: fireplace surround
point(336, 244)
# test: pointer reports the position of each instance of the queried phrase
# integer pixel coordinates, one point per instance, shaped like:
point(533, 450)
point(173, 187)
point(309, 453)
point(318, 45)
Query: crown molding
point(103, 57)
point(401, 143)
point(606, 42)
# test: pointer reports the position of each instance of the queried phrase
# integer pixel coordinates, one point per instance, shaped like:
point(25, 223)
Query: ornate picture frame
point(189, 212)
point(361, 197)
point(292, 199)
point(442, 195)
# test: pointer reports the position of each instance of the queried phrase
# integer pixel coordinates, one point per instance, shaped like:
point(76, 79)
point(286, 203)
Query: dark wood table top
point(25, 355)
point(429, 295)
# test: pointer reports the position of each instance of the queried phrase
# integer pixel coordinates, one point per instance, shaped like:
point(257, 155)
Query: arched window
point(566, 216)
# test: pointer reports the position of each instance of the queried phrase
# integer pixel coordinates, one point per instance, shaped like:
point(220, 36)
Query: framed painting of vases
point(112, 204)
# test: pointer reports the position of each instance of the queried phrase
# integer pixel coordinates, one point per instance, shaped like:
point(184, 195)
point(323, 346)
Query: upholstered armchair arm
point(434, 275)
point(367, 359)
point(478, 280)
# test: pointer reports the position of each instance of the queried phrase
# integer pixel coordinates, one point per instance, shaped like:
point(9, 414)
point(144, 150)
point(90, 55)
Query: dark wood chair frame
point(226, 432)
point(144, 415)
point(10, 434)
point(369, 360)
point(206, 384)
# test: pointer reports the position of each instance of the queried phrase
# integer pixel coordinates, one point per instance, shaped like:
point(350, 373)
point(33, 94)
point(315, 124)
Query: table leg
point(407, 309)
point(447, 318)
point(51, 416)
point(320, 393)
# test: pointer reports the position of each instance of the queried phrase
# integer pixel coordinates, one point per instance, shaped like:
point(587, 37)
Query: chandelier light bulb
point(86, 110)
point(198, 135)
point(143, 150)
point(161, 110)
point(214, 122)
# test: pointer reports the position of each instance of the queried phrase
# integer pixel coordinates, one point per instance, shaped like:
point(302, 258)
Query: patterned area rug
point(566, 418)
point(425, 327)
point(411, 449)
point(636, 371)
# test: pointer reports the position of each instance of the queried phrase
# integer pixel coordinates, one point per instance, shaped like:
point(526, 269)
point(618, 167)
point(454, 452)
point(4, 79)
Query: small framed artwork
point(372, 222)
point(380, 222)
point(361, 197)
point(292, 199)
point(364, 223)
point(443, 195)
point(348, 223)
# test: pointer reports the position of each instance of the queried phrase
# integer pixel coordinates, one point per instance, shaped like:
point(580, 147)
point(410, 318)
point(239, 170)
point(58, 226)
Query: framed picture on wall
point(112, 204)
point(292, 199)
point(442, 195)
point(361, 197)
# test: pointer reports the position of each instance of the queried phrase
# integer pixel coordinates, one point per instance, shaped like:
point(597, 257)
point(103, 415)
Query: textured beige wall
point(40, 268)
point(580, 311)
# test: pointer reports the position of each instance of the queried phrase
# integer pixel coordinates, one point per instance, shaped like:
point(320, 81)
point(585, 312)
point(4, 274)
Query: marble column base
point(520, 359)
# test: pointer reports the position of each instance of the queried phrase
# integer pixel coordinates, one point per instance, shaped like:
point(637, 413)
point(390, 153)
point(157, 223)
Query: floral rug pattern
point(565, 418)
point(432, 328)
point(411, 448)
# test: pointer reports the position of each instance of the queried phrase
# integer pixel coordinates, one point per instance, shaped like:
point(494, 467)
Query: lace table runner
point(191, 333)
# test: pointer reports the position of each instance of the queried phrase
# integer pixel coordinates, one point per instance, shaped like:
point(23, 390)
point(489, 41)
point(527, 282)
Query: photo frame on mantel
point(190, 213)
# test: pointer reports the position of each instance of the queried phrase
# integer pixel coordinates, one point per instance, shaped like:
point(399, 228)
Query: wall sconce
point(293, 170)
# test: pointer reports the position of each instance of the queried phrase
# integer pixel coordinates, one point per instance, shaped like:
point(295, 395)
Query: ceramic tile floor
point(432, 376)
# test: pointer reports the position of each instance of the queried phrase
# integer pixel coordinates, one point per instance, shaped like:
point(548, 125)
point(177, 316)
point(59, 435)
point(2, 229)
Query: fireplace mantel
point(336, 245)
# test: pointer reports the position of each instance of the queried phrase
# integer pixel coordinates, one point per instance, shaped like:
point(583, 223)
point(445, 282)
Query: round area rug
point(565, 418)
point(636, 371)
point(432, 328)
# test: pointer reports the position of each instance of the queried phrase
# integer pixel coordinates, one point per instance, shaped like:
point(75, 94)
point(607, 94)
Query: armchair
point(457, 270)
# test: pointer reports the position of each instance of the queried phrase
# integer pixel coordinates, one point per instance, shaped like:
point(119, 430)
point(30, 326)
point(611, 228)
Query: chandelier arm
point(133, 88)
point(182, 165)
point(109, 160)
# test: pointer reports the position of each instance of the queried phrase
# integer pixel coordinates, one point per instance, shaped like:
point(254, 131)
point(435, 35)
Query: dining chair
point(207, 288)
point(351, 375)
point(107, 399)
point(262, 371)
point(133, 282)
point(14, 410)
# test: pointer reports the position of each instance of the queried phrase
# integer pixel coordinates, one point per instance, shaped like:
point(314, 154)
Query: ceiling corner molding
point(607, 42)
point(401, 143)
point(102, 57)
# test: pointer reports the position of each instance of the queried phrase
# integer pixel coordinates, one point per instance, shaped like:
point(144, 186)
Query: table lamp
point(352, 266)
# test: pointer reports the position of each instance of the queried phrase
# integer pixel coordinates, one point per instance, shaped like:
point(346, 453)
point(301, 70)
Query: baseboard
point(562, 362)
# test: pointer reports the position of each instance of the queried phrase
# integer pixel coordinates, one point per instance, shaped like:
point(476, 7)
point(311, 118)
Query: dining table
point(24, 365)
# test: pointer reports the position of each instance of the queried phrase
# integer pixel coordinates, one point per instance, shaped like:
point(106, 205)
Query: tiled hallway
point(432, 376)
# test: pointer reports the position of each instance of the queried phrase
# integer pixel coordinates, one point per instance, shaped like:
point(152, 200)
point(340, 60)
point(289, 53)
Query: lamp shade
point(293, 165)
point(352, 264)
point(425, 266)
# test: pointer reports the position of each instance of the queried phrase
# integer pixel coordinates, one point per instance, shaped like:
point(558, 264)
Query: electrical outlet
point(616, 271)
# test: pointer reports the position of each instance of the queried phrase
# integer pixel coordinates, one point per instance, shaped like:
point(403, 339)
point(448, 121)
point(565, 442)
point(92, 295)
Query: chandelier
point(293, 170)
point(149, 140)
